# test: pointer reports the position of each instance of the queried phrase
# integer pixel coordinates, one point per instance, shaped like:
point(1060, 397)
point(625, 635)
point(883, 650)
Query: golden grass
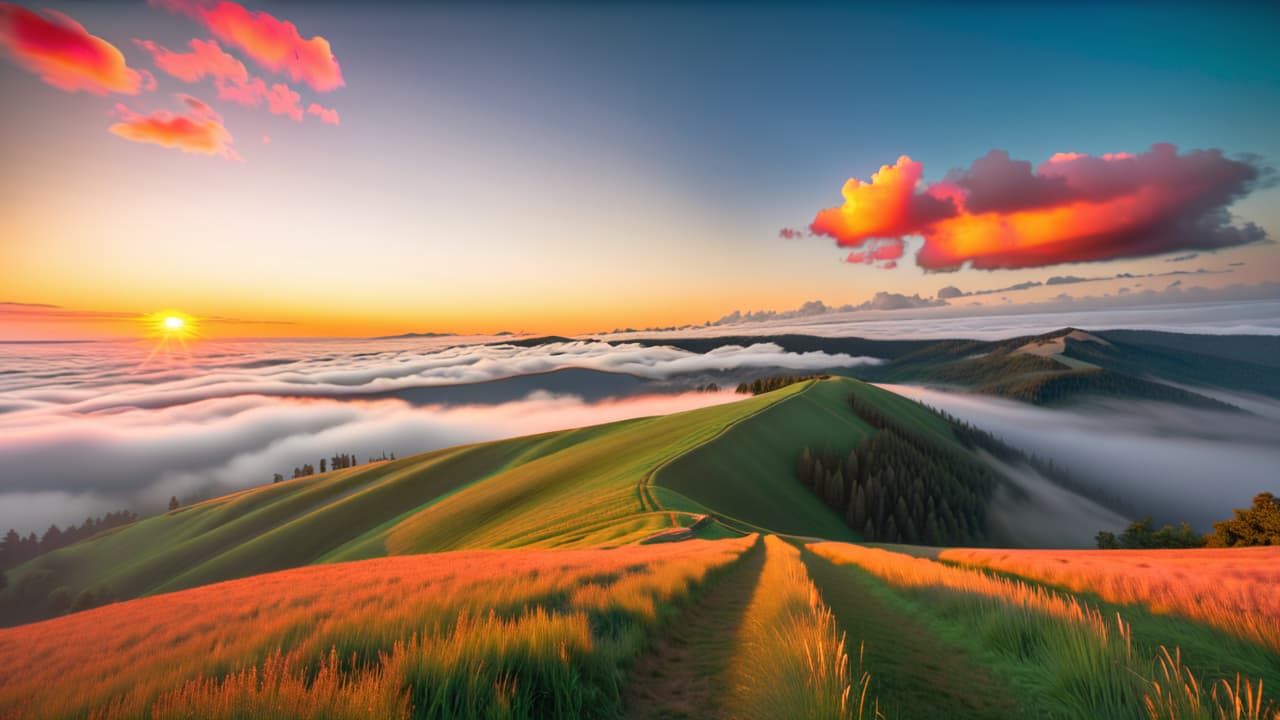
point(1086, 658)
point(792, 660)
point(484, 633)
point(1234, 590)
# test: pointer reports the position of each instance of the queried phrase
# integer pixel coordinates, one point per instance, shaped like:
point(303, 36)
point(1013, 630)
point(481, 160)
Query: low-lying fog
point(89, 428)
point(1174, 463)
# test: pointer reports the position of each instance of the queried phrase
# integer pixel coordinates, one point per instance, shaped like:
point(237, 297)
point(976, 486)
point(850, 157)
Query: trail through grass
point(682, 675)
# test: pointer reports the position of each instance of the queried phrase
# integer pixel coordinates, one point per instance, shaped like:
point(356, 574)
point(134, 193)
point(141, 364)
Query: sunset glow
point(483, 210)
point(645, 359)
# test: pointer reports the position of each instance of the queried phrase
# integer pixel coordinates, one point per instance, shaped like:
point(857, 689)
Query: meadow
point(1065, 656)
point(1230, 589)
point(538, 577)
point(470, 634)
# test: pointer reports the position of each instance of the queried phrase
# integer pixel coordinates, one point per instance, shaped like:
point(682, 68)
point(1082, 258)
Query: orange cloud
point(64, 54)
point(206, 59)
point(198, 130)
point(999, 213)
point(272, 43)
point(888, 206)
point(325, 114)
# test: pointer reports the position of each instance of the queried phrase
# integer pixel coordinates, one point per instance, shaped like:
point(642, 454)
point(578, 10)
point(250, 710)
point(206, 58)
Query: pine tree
point(859, 506)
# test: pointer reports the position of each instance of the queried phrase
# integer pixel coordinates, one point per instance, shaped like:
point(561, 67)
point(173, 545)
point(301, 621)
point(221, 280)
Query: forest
point(901, 485)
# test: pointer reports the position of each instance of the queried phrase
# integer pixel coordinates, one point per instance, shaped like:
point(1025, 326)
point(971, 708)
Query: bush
point(1258, 525)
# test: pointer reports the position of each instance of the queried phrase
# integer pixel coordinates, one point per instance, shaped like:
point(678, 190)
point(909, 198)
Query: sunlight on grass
point(469, 634)
point(792, 661)
point(1082, 663)
point(1233, 590)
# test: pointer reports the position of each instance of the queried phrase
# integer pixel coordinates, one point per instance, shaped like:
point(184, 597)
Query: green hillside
point(606, 485)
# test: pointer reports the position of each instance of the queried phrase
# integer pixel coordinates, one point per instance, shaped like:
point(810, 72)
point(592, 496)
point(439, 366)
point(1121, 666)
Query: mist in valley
point(1172, 462)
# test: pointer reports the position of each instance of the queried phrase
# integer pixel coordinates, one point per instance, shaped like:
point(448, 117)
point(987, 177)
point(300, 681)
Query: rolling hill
point(1070, 364)
point(719, 472)
point(525, 578)
point(574, 488)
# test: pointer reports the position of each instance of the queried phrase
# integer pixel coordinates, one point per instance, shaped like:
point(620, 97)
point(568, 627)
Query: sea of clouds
point(90, 427)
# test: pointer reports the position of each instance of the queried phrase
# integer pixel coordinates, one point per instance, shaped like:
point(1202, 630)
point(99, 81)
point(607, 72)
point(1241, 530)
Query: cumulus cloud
point(64, 54)
point(328, 115)
point(206, 59)
point(897, 301)
point(197, 130)
point(231, 79)
point(999, 213)
point(815, 308)
point(891, 205)
point(273, 44)
point(787, 233)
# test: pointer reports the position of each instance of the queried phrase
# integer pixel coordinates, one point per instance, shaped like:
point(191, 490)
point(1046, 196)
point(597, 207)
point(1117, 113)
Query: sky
point(330, 169)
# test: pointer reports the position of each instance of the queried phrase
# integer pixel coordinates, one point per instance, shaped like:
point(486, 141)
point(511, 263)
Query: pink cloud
point(327, 115)
point(64, 54)
point(272, 43)
point(206, 59)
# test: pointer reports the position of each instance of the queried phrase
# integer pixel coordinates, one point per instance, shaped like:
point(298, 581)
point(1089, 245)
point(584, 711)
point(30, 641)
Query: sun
point(171, 325)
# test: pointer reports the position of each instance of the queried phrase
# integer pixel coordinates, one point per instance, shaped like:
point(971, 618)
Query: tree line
point(1255, 525)
point(902, 485)
point(16, 549)
point(340, 461)
point(776, 382)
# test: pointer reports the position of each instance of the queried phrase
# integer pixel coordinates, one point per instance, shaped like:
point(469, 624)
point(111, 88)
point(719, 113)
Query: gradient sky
point(572, 168)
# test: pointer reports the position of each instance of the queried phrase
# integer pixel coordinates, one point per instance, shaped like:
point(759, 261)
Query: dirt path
point(915, 673)
point(682, 674)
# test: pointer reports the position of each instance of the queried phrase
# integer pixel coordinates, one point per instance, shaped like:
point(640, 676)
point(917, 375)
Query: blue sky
point(578, 165)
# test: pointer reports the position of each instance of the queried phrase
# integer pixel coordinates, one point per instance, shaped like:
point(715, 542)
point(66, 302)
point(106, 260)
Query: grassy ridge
point(573, 488)
point(586, 494)
point(748, 473)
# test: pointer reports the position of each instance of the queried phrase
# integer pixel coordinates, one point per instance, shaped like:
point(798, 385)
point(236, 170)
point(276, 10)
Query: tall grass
point(792, 660)
point(455, 635)
point(1174, 693)
point(1081, 662)
point(1233, 590)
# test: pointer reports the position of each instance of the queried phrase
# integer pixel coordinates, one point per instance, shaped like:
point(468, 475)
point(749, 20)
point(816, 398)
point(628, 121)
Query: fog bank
point(1175, 463)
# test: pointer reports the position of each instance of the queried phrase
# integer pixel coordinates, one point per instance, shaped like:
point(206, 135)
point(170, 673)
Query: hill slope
point(572, 488)
point(1069, 364)
point(715, 472)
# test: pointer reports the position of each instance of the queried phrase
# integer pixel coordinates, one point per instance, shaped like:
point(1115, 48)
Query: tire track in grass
point(915, 673)
point(682, 675)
